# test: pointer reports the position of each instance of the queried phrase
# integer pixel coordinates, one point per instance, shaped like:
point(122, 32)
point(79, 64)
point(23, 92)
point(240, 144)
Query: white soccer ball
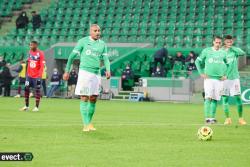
point(205, 133)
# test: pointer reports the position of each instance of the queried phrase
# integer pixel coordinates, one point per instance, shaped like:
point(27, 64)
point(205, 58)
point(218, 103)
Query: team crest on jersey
point(210, 60)
point(88, 52)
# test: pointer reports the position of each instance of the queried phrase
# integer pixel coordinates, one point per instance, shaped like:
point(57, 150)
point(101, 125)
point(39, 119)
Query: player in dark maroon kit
point(35, 64)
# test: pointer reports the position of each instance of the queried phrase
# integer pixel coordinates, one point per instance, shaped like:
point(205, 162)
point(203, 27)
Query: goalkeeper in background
point(92, 51)
point(232, 84)
point(214, 73)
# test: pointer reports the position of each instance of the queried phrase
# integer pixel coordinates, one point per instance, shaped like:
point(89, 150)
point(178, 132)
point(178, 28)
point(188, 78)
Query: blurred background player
point(160, 56)
point(232, 84)
point(190, 62)
point(214, 73)
point(179, 58)
point(92, 51)
point(22, 77)
point(72, 83)
point(54, 82)
point(6, 78)
point(127, 78)
point(158, 72)
point(35, 64)
point(44, 79)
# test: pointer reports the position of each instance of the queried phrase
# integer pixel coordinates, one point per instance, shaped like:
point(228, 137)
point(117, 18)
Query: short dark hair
point(216, 37)
point(34, 42)
point(228, 37)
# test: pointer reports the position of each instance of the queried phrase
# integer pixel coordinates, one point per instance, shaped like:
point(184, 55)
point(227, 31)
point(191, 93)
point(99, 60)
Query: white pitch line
point(28, 120)
point(106, 123)
point(39, 123)
point(114, 125)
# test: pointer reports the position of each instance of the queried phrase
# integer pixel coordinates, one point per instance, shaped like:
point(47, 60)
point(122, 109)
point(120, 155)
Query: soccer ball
point(205, 133)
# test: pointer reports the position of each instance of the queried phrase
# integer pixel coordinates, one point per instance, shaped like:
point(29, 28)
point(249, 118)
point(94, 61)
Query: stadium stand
point(176, 24)
point(8, 6)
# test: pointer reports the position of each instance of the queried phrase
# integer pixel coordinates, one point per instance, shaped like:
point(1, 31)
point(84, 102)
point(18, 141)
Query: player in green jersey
point(92, 51)
point(214, 59)
point(232, 84)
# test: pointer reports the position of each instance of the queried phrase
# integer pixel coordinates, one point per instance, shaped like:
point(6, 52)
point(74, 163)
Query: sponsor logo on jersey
point(215, 60)
point(92, 52)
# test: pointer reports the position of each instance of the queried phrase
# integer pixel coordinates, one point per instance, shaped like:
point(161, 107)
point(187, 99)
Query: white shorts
point(87, 84)
point(213, 89)
point(231, 87)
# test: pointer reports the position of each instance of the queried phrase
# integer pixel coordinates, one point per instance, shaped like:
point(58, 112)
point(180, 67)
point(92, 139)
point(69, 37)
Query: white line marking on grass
point(99, 122)
point(40, 123)
point(114, 125)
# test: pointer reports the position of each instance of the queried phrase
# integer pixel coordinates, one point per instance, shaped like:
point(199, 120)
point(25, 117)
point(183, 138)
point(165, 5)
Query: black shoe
point(208, 121)
point(213, 121)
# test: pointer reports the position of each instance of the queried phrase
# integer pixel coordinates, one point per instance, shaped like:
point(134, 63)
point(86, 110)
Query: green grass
point(128, 134)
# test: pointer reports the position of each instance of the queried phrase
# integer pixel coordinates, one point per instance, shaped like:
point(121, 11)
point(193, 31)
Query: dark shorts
point(33, 82)
point(22, 80)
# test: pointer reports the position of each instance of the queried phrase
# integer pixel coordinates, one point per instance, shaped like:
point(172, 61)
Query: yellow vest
point(44, 76)
point(22, 74)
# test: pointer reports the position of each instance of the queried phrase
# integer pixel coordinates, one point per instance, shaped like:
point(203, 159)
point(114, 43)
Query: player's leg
point(208, 99)
point(91, 109)
point(213, 108)
point(207, 104)
point(84, 112)
point(94, 89)
point(70, 91)
point(1, 89)
point(37, 93)
point(239, 105)
point(236, 92)
point(225, 104)
point(84, 88)
point(73, 90)
point(227, 84)
point(217, 90)
point(49, 93)
point(19, 88)
point(240, 110)
point(7, 89)
point(44, 87)
point(26, 95)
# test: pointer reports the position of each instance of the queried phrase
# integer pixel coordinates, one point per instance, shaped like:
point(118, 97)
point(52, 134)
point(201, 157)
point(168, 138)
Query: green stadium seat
point(70, 39)
point(123, 38)
point(140, 57)
point(136, 66)
point(118, 72)
point(163, 23)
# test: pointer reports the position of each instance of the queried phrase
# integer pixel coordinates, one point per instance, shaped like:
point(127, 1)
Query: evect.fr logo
point(16, 156)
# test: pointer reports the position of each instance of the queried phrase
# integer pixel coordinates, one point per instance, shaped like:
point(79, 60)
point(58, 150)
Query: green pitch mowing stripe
point(128, 134)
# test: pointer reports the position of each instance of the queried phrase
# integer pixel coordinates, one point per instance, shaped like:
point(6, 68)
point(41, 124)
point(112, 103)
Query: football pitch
point(128, 134)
